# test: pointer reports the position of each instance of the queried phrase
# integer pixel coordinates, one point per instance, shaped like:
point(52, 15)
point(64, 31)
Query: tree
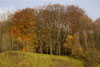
point(97, 33)
point(50, 28)
point(23, 27)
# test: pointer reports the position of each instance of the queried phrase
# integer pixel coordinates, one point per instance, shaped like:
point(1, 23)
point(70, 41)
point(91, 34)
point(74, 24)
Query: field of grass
point(25, 59)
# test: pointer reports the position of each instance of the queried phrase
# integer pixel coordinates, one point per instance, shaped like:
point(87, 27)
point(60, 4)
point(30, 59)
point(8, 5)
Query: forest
point(52, 29)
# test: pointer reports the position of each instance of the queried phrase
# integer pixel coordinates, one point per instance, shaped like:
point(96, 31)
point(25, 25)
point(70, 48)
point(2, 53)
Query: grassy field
point(25, 59)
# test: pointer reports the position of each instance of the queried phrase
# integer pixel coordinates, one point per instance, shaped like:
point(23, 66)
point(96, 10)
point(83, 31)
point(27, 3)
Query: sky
point(92, 7)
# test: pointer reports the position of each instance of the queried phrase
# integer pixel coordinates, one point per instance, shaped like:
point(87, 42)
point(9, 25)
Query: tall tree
point(50, 19)
point(24, 27)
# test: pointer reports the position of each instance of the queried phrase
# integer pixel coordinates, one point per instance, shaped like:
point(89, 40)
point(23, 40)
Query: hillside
point(25, 59)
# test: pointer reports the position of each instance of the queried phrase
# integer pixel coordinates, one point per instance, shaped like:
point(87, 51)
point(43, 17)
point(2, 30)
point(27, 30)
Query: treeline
point(52, 29)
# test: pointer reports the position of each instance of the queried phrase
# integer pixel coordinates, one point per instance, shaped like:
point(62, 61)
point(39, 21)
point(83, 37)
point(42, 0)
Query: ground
point(26, 59)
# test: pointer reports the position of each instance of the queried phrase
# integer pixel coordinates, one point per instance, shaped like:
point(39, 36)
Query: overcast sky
point(92, 7)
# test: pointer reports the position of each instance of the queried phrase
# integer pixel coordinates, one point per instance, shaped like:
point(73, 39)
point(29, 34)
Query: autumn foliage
point(52, 29)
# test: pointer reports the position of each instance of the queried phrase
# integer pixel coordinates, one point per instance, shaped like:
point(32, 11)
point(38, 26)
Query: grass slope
point(25, 59)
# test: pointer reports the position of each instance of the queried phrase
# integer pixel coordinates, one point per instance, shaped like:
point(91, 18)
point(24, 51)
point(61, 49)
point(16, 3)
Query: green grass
point(25, 59)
